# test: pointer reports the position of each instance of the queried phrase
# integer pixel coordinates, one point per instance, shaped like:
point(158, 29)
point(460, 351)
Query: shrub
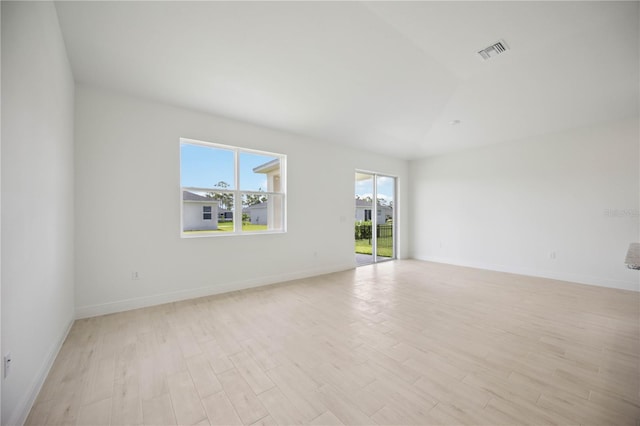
point(363, 230)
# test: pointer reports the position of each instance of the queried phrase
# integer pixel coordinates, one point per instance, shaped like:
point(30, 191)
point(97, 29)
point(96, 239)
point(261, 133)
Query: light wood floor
point(402, 342)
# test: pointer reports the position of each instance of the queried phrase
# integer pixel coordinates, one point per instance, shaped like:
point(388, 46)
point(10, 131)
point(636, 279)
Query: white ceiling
point(384, 76)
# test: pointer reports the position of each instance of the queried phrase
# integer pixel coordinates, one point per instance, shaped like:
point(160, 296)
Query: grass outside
point(385, 247)
point(251, 227)
point(228, 227)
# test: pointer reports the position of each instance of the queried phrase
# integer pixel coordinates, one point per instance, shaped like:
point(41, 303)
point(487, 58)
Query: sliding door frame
point(374, 215)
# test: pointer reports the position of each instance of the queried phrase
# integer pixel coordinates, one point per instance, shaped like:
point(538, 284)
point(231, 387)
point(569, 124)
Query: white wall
point(128, 206)
point(508, 206)
point(37, 199)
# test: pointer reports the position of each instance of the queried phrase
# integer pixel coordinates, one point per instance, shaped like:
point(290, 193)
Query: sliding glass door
point(375, 224)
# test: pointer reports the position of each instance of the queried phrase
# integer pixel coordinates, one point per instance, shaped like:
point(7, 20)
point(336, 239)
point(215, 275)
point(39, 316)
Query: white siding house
point(269, 213)
point(198, 213)
point(258, 213)
point(363, 211)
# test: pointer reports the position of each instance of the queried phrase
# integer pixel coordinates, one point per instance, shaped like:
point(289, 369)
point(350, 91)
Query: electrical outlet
point(552, 255)
point(6, 365)
point(135, 276)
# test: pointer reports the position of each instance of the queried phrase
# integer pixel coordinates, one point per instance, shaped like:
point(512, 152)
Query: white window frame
point(210, 213)
point(237, 192)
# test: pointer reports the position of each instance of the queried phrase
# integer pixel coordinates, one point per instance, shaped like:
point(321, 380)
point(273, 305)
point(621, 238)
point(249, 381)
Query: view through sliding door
point(375, 224)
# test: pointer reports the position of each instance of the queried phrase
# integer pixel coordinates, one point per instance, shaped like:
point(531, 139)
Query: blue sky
point(204, 167)
point(364, 188)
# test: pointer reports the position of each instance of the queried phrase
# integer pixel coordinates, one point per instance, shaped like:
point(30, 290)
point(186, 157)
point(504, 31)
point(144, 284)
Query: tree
point(253, 199)
point(224, 198)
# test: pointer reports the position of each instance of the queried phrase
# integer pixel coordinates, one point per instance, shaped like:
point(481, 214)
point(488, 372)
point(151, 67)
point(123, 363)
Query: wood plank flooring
point(403, 342)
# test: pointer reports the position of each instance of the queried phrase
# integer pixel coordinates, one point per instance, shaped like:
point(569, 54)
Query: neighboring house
point(363, 211)
point(199, 213)
point(266, 213)
point(225, 215)
point(258, 213)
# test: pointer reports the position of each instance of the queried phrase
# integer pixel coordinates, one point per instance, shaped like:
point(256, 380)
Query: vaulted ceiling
point(389, 77)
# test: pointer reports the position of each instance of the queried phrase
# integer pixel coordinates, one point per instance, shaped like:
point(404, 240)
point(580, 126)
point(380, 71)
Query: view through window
point(230, 190)
point(375, 228)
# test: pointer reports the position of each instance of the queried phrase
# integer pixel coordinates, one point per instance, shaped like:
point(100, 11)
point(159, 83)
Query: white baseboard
point(21, 412)
point(159, 299)
point(571, 277)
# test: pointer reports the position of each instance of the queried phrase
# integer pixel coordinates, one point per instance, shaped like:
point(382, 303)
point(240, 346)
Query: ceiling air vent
point(493, 50)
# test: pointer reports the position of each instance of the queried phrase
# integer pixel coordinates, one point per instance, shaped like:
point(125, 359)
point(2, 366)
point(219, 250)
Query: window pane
point(384, 233)
point(259, 172)
point(207, 213)
point(261, 212)
point(206, 167)
point(364, 197)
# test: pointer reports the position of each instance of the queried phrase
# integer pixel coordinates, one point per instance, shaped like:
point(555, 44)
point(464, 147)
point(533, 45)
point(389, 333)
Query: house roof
point(190, 196)
point(365, 203)
point(257, 206)
point(268, 166)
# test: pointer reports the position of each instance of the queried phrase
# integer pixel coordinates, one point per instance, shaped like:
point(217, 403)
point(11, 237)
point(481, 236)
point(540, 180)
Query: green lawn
point(385, 247)
point(225, 226)
point(250, 227)
point(228, 227)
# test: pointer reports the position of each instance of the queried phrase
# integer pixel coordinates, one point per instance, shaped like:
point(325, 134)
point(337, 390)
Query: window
point(206, 212)
point(247, 189)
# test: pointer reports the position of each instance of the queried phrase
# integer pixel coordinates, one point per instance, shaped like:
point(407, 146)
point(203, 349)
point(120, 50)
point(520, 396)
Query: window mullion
point(237, 199)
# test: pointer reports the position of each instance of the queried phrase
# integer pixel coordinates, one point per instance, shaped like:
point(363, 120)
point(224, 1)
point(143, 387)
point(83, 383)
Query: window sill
point(218, 234)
